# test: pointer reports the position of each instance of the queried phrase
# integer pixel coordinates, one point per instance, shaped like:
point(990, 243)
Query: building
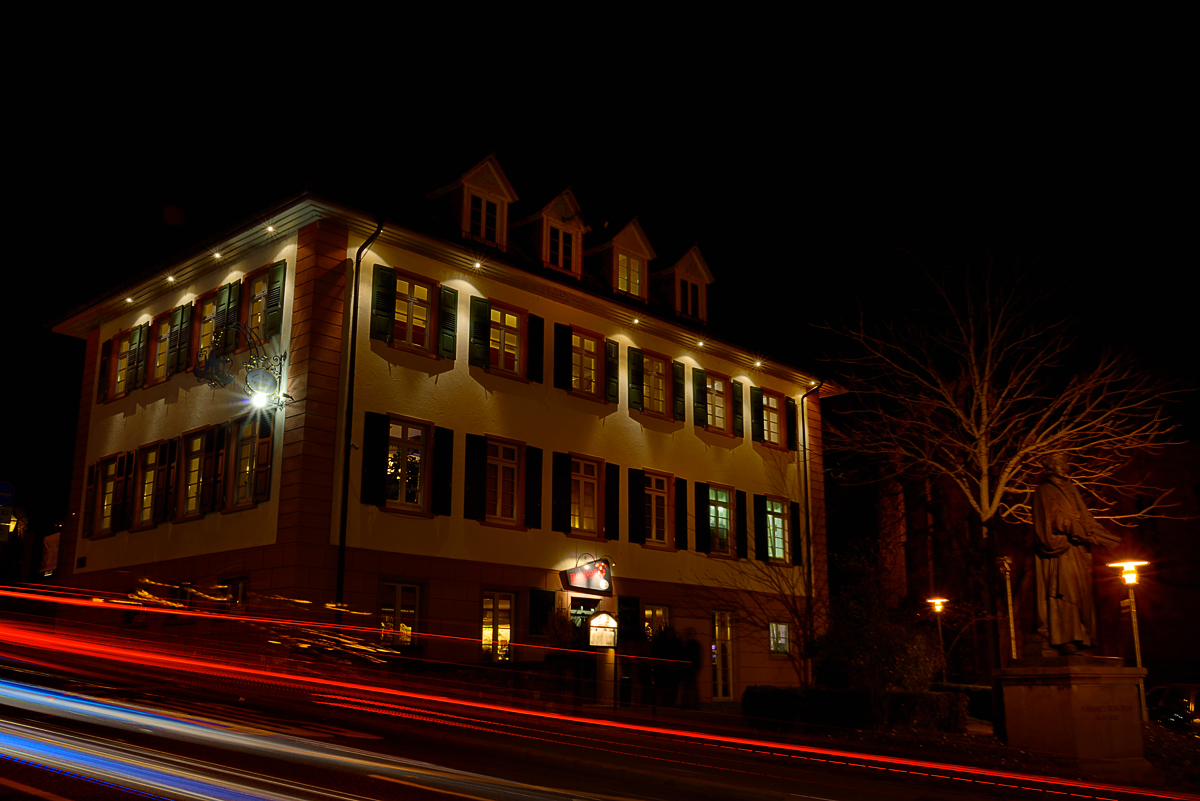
point(523, 395)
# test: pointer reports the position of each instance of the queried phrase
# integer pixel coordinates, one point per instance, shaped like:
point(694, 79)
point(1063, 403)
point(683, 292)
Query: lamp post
point(1005, 564)
point(1129, 575)
point(938, 605)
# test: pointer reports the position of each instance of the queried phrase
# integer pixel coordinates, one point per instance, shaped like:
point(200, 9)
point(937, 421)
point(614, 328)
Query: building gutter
point(348, 429)
point(811, 578)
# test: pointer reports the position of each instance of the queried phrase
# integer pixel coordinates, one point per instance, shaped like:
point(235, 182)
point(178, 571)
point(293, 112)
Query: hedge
point(776, 709)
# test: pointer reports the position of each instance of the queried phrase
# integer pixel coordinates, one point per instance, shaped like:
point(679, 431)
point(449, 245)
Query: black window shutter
point(756, 414)
point(89, 503)
point(173, 340)
point(743, 536)
point(739, 429)
point(162, 476)
point(373, 482)
point(208, 467)
point(761, 551)
point(562, 356)
point(273, 313)
point(481, 315)
point(612, 501)
point(703, 531)
point(172, 478)
point(137, 354)
point(262, 460)
point(560, 492)
point(104, 369)
point(635, 378)
point(677, 399)
point(447, 323)
point(443, 470)
point(536, 340)
point(612, 371)
point(533, 487)
point(475, 478)
point(233, 314)
point(795, 534)
point(219, 320)
point(637, 506)
point(124, 516)
point(700, 397)
point(681, 538)
point(116, 519)
point(383, 303)
point(793, 424)
point(222, 441)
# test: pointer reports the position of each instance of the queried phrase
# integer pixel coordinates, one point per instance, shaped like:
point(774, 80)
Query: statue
point(1066, 532)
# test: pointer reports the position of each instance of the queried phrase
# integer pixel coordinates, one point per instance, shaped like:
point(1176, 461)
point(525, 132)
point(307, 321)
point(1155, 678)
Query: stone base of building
point(1085, 707)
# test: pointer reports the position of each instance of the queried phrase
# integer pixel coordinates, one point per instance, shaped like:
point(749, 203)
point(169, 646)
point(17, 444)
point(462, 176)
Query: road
point(139, 724)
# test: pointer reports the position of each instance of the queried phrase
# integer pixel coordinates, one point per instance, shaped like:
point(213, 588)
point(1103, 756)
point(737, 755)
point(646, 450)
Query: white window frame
point(404, 442)
point(720, 518)
point(630, 274)
point(656, 387)
point(583, 487)
point(411, 305)
point(778, 536)
point(779, 638)
point(389, 632)
point(498, 464)
point(655, 496)
point(495, 647)
point(506, 335)
point(587, 366)
point(655, 617)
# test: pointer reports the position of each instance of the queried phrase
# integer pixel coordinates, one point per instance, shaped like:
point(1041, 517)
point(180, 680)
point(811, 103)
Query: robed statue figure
point(1066, 532)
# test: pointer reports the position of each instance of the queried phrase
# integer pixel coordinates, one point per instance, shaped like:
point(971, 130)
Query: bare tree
point(979, 392)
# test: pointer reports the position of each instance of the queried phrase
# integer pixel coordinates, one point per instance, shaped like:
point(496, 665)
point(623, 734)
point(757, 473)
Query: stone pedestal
point(1084, 707)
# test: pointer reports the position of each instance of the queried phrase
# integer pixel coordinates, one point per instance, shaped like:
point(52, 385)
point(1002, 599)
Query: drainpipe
point(804, 459)
point(348, 429)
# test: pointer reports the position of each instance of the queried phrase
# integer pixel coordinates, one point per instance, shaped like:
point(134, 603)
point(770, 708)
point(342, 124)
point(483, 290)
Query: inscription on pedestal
point(1107, 711)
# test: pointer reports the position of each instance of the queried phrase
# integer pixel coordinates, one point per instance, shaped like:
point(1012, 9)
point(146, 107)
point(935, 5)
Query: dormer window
point(629, 275)
point(482, 220)
point(561, 250)
point(689, 299)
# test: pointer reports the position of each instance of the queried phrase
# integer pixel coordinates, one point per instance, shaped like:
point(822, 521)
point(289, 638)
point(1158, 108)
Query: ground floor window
point(656, 618)
point(779, 638)
point(398, 613)
point(722, 656)
point(497, 625)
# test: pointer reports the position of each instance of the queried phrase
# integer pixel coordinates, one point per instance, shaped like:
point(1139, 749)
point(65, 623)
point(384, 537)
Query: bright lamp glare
point(258, 400)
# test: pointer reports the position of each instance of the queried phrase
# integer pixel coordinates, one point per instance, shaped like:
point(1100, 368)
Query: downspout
point(812, 576)
point(348, 429)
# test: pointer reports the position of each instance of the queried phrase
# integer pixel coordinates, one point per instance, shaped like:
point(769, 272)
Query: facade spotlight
point(129, 300)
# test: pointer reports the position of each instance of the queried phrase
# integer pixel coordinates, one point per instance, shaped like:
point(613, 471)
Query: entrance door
point(722, 656)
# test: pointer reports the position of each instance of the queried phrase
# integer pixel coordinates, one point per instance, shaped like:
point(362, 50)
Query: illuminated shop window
point(398, 613)
point(656, 618)
point(497, 625)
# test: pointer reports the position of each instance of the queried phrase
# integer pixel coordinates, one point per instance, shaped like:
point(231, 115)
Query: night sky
point(805, 205)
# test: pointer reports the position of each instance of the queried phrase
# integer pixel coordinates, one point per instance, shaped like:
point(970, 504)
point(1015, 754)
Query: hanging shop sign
point(594, 577)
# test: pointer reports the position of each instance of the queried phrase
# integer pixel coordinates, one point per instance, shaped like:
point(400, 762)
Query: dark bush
point(979, 698)
point(769, 708)
point(775, 709)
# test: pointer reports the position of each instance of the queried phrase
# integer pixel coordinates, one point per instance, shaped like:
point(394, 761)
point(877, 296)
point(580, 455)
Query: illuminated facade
point(523, 392)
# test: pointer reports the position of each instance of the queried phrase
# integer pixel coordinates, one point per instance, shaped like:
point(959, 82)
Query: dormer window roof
point(481, 198)
point(625, 259)
point(558, 230)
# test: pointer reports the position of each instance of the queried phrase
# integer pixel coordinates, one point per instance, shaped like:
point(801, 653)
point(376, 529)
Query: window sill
point(404, 347)
point(144, 527)
point(103, 535)
point(729, 557)
point(587, 396)
point(509, 525)
point(562, 270)
point(721, 432)
point(401, 511)
point(590, 536)
point(773, 446)
point(656, 415)
point(660, 546)
point(506, 374)
point(239, 508)
point(621, 293)
point(157, 381)
point(187, 519)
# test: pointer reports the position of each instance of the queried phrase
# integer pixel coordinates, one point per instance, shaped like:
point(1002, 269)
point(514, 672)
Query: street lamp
point(938, 604)
point(1129, 576)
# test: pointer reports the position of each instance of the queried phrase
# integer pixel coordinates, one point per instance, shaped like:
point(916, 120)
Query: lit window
point(505, 340)
point(108, 493)
point(245, 460)
point(656, 508)
point(716, 402)
point(720, 513)
point(654, 384)
point(771, 409)
point(779, 638)
point(407, 461)
point(502, 466)
point(258, 305)
point(193, 453)
point(561, 252)
point(656, 618)
point(629, 275)
point(482, 219)
point(413, 310)
point(208, 316)
point(398, 613)
point(689, 298)
point(122, 375)
point(584, 364)
point(497, 625)
point(777, 529)
point(161, 331)
point(585, 490)
point(146, 500)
